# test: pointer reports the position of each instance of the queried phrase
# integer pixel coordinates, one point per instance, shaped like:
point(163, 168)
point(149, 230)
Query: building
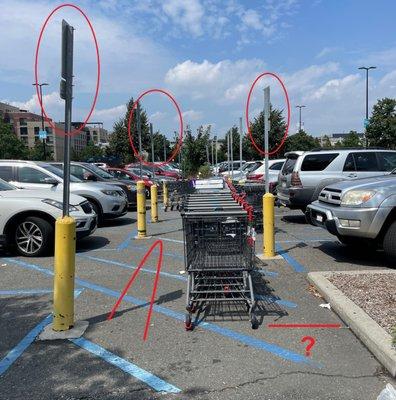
point(26, 126)
point(336, 137)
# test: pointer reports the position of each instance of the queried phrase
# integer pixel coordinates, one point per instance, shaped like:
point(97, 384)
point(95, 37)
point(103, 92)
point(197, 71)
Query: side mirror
point(51, 181)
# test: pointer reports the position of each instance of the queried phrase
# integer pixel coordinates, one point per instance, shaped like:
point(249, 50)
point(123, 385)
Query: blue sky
point(207, 53)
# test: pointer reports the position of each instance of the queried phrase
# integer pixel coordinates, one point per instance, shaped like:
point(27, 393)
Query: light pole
point(300, 107)
point(40, 85)
point(366, 120)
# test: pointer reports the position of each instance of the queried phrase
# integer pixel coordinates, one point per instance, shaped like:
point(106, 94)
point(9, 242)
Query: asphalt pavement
point(221, 358)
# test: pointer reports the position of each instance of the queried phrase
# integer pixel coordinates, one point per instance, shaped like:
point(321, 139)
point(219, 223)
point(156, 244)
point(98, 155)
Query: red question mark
point(311, 341)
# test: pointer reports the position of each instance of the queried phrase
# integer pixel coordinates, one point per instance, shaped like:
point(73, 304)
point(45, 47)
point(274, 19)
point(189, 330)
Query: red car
point(158, 171)
point(124, 174)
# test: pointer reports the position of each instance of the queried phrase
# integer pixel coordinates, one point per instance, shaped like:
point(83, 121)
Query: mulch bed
point(374, 293)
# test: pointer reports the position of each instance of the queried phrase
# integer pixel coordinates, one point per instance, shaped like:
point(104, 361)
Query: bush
point(204, 171)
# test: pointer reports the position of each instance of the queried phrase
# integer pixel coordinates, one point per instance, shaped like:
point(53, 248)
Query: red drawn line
point(134, 275)
point(304, 326)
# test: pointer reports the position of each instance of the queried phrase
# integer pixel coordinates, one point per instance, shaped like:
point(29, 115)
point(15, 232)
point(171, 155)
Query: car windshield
point(59, 172)
point(99, 171)
point(5, 186)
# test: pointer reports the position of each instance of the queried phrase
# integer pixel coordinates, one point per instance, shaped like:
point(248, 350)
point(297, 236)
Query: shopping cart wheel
point(254, 321)
point(188, 323)
point(172, 207)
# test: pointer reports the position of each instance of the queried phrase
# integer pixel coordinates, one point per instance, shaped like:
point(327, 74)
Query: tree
point(301, 141)
point(10, 146)
point(351, 140)
point(235, 143)
point(90, 153)
point(37, 152)
point(277, 130)
point(381, 130)
point(326, 142)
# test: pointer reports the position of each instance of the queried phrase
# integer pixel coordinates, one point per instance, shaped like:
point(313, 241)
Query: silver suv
point(305, 174)
point(106, 200)
point(360, 211)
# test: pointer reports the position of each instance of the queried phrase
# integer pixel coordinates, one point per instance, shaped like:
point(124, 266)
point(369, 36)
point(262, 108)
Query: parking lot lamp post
point(299, 124)
point(366, 120)
point(40, 85)
point(240, 142)
point(217, 170)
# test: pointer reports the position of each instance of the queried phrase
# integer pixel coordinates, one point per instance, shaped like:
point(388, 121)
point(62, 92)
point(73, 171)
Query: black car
point(91, 172)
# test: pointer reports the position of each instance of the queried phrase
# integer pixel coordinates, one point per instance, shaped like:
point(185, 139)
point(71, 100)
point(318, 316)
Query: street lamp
point(42, 114)
point(366, 120)
point(300, 107)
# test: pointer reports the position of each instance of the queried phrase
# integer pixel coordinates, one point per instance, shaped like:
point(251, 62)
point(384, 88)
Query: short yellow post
point(165, 194)
point(154, 203)
point(268, 225)
point(65, 252)
point(141, 210)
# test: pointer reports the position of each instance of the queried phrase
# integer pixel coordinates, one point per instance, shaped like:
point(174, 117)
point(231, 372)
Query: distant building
point(26, 126)
point(336, 137)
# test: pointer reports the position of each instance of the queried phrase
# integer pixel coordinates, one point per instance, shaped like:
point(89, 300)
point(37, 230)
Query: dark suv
point(91, 172)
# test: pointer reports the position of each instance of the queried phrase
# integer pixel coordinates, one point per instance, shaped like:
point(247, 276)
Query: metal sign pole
point(139, 129)
point(152, 146)
point(266, 133)
point(228, 153)
point(232, 155)
point(217, 167)
point(240, 141)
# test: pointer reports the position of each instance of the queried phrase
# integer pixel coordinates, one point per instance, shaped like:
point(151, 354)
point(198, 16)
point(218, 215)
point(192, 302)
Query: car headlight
point(111, 193)
point(58, 204)
point(357, 197)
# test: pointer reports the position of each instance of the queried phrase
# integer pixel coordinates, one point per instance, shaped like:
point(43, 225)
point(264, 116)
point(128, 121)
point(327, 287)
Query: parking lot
point(221, 358)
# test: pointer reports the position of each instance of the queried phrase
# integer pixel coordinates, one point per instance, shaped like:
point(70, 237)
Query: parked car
point(305, 174)
point(234, 166)
point(359, 212)
point(27, 218)
point(127, 175)
point(247, 168)
point(106, 200)
point(274, 166)
point(158, 171)
point(90, 172)
point(169, 167)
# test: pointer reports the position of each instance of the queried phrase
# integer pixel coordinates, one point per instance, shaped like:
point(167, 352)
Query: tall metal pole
point(164, 148)
point(228, 152)
point(300, 124)
point(42, 114)
point(232, 155)
point(152, 146)
point(139, 129)
point(266, 134)
point(212, 152)
point(240, 142)
point(217, 168)
point(366, 120)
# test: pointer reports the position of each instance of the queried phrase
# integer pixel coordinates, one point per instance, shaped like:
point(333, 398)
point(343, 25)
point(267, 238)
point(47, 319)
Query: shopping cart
point(218, 254)
point(177, 191)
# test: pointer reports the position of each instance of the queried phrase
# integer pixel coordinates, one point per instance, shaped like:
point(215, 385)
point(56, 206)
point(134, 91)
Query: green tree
point(90, 152)
point(381, 130)
point(277, 130)
point(10, 146)
point(301, 141)
point(37, 152)
point(351, 140)
point(326, 144)
point(234, 131)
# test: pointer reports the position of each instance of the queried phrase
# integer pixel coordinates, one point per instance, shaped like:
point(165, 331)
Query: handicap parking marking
point(125, 243)
point(151, 380)
point(234, 335)
point(292, 262)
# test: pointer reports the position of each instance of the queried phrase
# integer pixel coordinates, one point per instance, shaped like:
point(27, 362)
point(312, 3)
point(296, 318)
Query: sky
point(206, 53)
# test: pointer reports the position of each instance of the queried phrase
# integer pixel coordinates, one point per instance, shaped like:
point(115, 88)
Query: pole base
point(263, 257)
point(77, 331)
point(142, 237)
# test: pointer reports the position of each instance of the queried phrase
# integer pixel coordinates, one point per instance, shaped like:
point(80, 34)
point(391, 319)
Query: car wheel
point(33, 237)
point(97, 210)
point(389, 243)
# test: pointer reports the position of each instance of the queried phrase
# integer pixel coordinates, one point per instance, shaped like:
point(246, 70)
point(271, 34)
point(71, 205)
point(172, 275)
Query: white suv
point(27, 218)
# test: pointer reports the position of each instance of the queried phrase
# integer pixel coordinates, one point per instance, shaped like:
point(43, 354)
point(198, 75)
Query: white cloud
point(157, 116)
point(326, 51)
point(110, 114)
point(191, 115)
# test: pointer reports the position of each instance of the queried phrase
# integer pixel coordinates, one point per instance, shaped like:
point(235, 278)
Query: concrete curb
point(376, 339)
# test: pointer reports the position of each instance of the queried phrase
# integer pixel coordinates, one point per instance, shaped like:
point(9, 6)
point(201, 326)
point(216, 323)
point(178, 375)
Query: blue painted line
point(269, 273)
point(17, 351)
point(125, 243)
point(274, 299)
point(245, 339)
point(173, 255)
point(127, 266)
point(305, 241)
point(24, 291)
point(151, 380)
point(293, 263)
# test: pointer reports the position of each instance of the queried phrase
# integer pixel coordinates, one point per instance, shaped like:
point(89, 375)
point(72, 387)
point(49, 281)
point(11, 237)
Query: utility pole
point(366, 120)
point(240, 142)
point(40, 85)
point(300, 107)
point(139, 130)
point(266, 134)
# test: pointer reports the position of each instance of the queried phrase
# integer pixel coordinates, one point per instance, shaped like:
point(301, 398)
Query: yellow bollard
point(141, 210)
point(154, 203)
point(65, 252)
point(165, 195)
point(268, 225)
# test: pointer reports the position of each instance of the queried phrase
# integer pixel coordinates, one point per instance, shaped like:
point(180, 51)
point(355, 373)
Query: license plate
point(319, 218)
